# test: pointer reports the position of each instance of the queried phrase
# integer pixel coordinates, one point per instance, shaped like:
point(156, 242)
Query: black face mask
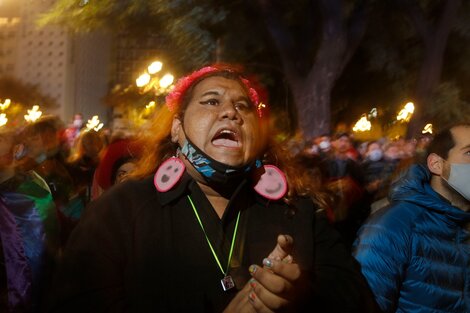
point(214, 171)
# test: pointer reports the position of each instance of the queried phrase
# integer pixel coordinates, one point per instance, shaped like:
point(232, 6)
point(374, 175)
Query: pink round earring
point(271, 183)
point(168, 174)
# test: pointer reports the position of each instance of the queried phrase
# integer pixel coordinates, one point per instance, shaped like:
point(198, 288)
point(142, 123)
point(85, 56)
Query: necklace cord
point(208, 241)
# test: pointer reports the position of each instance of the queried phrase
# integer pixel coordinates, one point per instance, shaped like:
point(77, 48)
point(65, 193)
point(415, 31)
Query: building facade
point(71, 69)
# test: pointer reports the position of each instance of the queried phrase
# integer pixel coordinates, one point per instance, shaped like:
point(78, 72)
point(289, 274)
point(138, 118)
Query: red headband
point(174, 98)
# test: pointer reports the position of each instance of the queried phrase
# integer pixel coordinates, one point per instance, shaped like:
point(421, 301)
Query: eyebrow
point(210, 92)
point(466, 147)
point(216, 93)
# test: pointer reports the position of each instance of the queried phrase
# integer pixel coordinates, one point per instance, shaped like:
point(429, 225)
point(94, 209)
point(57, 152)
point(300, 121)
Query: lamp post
point(151, 79)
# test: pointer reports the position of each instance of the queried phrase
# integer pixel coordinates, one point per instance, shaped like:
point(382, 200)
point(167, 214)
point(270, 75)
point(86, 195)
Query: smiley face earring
point(168, 174)
point(271, 182)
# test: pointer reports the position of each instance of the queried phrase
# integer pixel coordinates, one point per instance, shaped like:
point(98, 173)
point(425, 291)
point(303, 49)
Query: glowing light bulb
point(362, 125)
point(33, 114)
point(142, 80)
point(155, 67)
point(166, 80)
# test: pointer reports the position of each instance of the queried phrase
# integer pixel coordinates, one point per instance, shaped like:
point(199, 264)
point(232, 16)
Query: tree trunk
point(313, 94)
point(339, 39)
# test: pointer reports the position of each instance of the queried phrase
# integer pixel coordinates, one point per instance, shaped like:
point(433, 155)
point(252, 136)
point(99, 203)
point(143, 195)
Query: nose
point(229, 111)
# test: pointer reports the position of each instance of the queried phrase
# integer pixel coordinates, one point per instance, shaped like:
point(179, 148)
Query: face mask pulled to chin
point(459, 179)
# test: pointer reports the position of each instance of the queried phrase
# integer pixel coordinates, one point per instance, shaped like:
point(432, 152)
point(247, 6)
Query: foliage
point(23, 96)
point(448, 106)
point(186, 25)
point(384, 72)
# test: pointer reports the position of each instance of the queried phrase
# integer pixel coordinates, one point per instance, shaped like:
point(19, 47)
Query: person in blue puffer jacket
point(415, 254)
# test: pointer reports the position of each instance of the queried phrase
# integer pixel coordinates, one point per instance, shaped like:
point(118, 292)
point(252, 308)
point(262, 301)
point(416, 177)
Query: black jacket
point(139, 250)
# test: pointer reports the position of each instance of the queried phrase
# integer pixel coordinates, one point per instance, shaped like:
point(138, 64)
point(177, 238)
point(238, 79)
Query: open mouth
point(226, 138)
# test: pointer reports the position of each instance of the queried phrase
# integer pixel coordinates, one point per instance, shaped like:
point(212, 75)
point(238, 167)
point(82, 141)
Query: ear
point(435, 164)
point(175, 129)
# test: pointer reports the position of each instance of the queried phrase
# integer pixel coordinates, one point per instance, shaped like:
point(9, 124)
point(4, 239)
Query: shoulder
point(390, 227)
point(126, 198)
point(400, 214)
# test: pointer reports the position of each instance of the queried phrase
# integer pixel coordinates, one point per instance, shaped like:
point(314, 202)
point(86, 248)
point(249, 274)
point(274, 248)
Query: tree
point(22, 96)
point(330, 31)
point(434, 36)
point(324, 54)
point(409, 41)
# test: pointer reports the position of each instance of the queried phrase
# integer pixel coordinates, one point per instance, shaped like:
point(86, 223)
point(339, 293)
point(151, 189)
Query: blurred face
point(373, 146)
point(343, 144)
point(92, 145)
point(221, 121)
point(393, 153)
point(34, 145)
point(123, 171)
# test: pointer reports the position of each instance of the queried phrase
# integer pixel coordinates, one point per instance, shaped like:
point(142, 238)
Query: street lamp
point(362, 125)
point(94, 124)
point(143, 80)
point(3, 119)
point(166, 81)
point(5, 105)
point(149, 79)
point(406, 113)
point(427, 129)
point(155, 67)
point(33, 114)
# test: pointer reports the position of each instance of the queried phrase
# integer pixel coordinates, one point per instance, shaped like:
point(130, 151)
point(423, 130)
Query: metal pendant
point(227, 283)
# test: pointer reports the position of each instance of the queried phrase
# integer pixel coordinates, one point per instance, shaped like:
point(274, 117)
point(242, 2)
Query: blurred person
point(378, 167)
point(208, 223)
point(373, 166)
point(344, 177)
point(117, 162)
point(324, 143)
point(73, 131)
point(422, 144)
point(41, 153)
point(362, 149)
point(415, 253)
point(392, 152)
point(409, 149)
point(29, 233)
point(84, 160)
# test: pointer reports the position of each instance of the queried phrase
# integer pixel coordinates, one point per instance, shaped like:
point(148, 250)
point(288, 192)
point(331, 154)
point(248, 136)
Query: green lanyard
point(208, 241)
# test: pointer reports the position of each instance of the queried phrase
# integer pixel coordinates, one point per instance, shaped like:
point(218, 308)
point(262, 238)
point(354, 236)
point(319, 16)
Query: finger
point(271, 281)
point(286, 270)
point(260, 295)
point(283, 247)
point(288, 259)
point(240, 303)
point(258, 304)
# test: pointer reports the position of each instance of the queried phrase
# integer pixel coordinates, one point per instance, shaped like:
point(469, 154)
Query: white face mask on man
point(324, 145)
point(459, 179)
point(375, 155)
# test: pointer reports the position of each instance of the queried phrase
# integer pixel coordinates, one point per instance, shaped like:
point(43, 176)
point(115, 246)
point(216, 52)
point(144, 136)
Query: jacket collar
point(414, 186)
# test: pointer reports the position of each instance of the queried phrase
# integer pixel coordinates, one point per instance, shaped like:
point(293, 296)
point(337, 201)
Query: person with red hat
point(117, 161)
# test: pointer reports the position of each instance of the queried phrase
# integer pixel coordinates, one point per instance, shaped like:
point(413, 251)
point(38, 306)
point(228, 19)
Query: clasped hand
point(274, 286)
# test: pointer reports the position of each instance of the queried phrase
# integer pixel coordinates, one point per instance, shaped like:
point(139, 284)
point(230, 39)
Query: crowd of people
point(207, 212)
